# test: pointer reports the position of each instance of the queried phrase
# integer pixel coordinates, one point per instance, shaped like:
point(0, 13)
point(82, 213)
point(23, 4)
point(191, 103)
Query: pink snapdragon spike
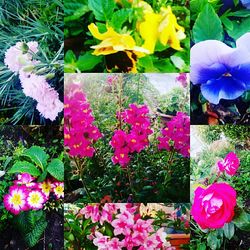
point(15, 200)
point(230, 164)
point(79, 131)
point(20, 55)
point(36, 200)
point(129, 230)
point(124, 144)
point(58, 189)
point(176, 135)
point(214, 206)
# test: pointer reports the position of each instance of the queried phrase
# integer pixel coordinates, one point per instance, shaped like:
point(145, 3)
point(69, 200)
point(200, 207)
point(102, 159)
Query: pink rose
point(214, 206)
point(230, 164)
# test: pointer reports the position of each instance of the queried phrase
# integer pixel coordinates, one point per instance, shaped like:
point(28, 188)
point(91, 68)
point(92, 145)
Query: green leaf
point(228, 230)
point(74, 9)
point(56, 169)
point(227, 23)
point(43, 176)
point(242, 220)
point(102, 9)
point(119, 18)
point(24, 167)
point(212, 241)
point(240, 13)
point(239, 29)
point(197, 5)
point(147, 63)
point(88, 61)
point(70, 57)
point(178, 62)
point(201, 246)
point(246, 96)
point(37, 155)
point(207, 25)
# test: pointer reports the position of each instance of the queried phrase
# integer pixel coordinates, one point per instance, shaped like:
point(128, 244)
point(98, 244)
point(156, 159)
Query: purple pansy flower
point(246, 3)
point(222, 71)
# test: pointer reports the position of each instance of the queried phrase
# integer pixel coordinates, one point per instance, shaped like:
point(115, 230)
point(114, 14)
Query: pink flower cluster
point(26, 194)
point(125, 143)
point(35, 86)
point(129, 229)
point(230, 164)
point(79, 130)
point(214, 206)
point(176, 135)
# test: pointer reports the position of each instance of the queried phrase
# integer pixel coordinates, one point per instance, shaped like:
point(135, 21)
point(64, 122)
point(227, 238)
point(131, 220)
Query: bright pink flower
point(25, 179)
point(182, 78)
point(107, 213)
point(46, 187)
point(214, 206)
point(79, 131)
point(230, 164)
point(15, 200)
point(36, 199)
point(123, 223)
point(91, 211)
point(115, 244)
point(121, 157)
point(176, 135)
point(101, 241)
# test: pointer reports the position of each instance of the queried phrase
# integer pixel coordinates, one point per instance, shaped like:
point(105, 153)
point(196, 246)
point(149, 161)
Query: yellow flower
point(113, 43)
point(161, 27)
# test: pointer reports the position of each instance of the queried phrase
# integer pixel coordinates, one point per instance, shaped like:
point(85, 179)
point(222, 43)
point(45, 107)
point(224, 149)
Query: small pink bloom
point(230, 164)
point(91, 211)
point(101, 241)
point(58, 188)
point(36, 199)
point(214, 206)
point(15, 200)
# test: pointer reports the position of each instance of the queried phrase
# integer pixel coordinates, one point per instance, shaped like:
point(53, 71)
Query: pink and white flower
point(230, 164)
point(36, 199)
point(58, 189)
point(25, 179)
point(15, 200)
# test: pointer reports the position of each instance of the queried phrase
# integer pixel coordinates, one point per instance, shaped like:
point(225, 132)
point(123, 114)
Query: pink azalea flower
point(123, 223)
point(36, 199)
point(91, 211)
point(101, 241)
point(115, 244)
point(230, 164)
point(15, 200)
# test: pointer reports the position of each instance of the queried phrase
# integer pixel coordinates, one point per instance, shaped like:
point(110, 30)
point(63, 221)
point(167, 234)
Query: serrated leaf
point(74, 9)
point(119, 18)
point(102, 9)
point(87, 61)
point(56, 169)
point(24, 167)
point(37, 155)
point(207, 25)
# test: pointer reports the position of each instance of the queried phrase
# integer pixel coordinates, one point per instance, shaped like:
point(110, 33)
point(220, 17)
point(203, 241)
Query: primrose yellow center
point(46, 187)
point(59, 189)
point(35, 198)
point(16, 199)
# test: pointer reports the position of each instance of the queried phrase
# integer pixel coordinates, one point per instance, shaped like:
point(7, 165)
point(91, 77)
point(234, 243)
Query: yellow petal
point(101, 36)
point(149, 30)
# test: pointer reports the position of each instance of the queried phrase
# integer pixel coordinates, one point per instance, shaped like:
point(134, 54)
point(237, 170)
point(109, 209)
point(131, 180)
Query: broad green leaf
point(74, 9)
point(56, 169)
point(242, 220)
point(228, 230)
point(147, 63)
point(43, 176)
point(197, 5)
point(24, 167)
point(207, 25)
point(240, 29)
point(70, 57)
point(201, 246)
point(119, 18)
point(88, 61)
point(102, 9)
point(227, 23)
point(37, 155)
point(212, 241)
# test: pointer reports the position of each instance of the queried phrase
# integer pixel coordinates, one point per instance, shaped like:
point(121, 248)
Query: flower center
point(16, 199)
point(35, 198)
point(227, 74)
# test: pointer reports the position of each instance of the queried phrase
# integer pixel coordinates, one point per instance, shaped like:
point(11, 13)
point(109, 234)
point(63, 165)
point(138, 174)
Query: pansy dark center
point(227, 74)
